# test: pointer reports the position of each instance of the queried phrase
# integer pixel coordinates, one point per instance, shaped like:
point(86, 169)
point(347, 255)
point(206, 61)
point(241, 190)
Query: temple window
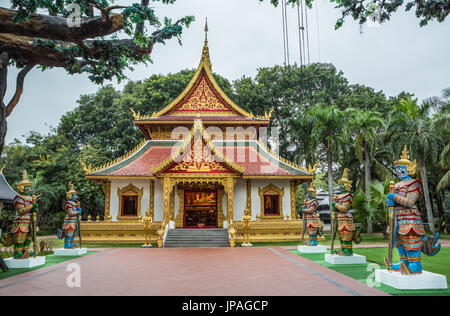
point(271, 202)
point(271, 205)
point(129, 202)
point(129, 205)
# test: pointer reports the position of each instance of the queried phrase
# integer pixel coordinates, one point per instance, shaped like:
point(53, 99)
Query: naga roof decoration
point(255, 159)
point(89, 169)
point(200, 157)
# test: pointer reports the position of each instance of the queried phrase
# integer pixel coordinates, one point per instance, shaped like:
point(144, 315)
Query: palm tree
point(329, 132)
point(441, 124)
point(374, 208)
point(365, 127)
point(411, 125)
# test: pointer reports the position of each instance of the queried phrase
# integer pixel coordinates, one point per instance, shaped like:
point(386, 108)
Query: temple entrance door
point(200, 209)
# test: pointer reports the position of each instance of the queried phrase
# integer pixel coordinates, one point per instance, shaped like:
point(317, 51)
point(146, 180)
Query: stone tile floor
point(189, 271)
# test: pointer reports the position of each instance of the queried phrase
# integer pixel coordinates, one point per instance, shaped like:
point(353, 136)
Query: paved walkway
point(189, 271)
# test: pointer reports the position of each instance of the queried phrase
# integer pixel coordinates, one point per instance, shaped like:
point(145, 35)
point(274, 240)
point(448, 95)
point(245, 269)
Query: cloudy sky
point(245, 35)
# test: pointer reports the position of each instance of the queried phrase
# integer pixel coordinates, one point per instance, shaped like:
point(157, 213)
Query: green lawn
point(437, 264)
point(367, 239)
point(49, 261)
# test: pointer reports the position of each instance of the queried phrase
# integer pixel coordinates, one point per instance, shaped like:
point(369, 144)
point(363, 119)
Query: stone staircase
point(216, 237)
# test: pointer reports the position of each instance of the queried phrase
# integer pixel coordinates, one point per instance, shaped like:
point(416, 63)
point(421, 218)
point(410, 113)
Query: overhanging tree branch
point(60, 28)
point(19, 88)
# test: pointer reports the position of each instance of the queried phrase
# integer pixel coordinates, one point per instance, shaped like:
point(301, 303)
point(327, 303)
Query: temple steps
point(215, 237)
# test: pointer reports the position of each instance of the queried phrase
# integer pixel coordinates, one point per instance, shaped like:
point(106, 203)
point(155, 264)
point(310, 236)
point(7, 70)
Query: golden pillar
point(179, 219)
point(106, 186)
point(249, 196)
point(151, 205)
point(294, 185)
point(221, 216)
point(172, 205)
point(229, 189)
point(167, 189)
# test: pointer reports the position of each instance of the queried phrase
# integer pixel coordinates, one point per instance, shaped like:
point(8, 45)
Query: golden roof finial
point(205, 53)
point(206, 31)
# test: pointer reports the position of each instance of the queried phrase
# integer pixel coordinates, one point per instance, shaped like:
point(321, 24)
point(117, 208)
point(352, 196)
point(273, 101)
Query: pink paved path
point(189, 271)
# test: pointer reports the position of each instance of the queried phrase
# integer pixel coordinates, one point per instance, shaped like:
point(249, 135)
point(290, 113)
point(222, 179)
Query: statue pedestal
point(312, 249)
point(425, 281)
point(336, 259)
point(24, 263)
point(70, 252)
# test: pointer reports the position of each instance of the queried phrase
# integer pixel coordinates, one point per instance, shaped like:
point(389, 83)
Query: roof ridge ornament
point(205, 53)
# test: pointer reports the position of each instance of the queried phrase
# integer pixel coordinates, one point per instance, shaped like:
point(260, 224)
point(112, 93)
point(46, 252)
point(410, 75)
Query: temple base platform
point(336, 259)
point(24, 263)
point(70, 252)
point(425, 281)
point(312, 249)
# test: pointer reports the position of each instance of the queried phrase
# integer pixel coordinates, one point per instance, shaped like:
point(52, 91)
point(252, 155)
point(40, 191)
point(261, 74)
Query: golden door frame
point(129, 190)
point(271, 190)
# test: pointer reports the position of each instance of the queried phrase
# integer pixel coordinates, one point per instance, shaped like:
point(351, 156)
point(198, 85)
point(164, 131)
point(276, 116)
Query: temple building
point(201, 164)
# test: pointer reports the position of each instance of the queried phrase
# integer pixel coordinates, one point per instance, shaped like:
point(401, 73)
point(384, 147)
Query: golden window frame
point(129, 190)
point(271, 190)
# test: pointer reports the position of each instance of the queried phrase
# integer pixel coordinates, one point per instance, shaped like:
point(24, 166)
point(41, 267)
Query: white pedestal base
point(70, 252)
point(336, 259)
point(25, 263)
point(171, 225)
point(312, 249)
point(425, 281)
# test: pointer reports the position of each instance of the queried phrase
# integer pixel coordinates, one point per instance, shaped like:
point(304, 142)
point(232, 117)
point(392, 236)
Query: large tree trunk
point(426, 194)
point(367, 180)
point(4, 59)
point(440, 207)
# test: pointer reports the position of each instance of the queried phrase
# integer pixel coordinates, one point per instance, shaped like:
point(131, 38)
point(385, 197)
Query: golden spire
point(205, 53)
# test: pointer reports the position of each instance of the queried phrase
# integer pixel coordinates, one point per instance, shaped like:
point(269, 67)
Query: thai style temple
point(200, 166)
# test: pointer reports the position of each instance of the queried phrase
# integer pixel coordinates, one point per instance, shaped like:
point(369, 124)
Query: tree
point(291, 91)
point(411, 125)
point(374, 207)
point(71, 37)
point(328, 133)
point(441, 124)
point(381, 10)
point(365, 126)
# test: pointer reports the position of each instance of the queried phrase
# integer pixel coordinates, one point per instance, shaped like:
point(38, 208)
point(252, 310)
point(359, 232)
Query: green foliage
point(104, 58)
point(382, 10)
point(374, 208)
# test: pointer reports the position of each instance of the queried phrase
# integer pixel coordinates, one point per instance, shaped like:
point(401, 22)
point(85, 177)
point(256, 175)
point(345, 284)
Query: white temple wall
point(159, 202)
point(239, 202)
point(240, 196)
point(140, 184)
